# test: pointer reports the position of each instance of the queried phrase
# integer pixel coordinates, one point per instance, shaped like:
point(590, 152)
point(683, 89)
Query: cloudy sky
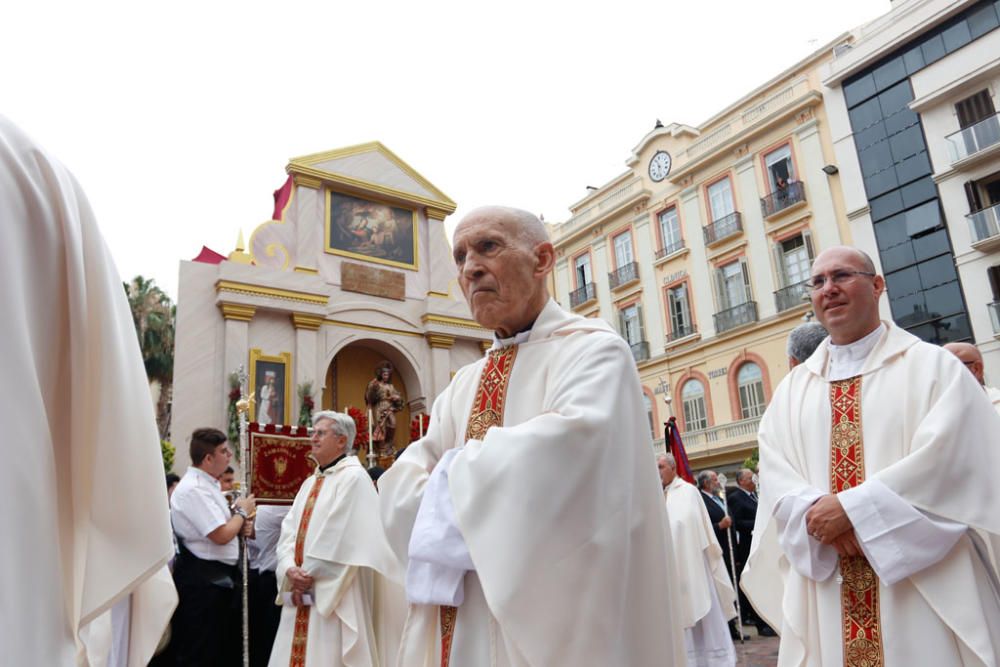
point(179, 118)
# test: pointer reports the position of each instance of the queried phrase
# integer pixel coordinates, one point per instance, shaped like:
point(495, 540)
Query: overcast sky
point(179, 118)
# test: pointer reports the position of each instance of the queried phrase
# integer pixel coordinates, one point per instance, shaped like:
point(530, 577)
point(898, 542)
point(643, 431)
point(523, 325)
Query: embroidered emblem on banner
point(487, 412)
point(301, 633)
point(859, 601)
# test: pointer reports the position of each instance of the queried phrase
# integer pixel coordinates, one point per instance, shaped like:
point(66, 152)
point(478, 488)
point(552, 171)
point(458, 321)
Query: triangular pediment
point(372, 168)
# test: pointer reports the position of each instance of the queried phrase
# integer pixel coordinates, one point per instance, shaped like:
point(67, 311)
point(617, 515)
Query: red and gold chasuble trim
point(487, 411)
point(859, 595)
point(301, 633)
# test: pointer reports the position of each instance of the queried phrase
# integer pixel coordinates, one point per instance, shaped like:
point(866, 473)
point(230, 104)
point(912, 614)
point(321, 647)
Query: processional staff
point(243, 408)
point(732, 559)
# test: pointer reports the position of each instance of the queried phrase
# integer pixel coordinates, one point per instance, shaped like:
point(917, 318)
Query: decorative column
point(440, 360)
point(236, 346)
point(306, 338)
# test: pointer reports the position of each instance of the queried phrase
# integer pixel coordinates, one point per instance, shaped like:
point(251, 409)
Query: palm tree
point(153, 315)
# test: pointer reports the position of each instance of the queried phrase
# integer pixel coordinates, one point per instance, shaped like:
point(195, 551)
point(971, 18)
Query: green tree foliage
point(153, 314)
point(752, 460)
point(168, 452)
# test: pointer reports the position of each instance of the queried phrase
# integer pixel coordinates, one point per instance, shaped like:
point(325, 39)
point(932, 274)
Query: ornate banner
point(279, 462)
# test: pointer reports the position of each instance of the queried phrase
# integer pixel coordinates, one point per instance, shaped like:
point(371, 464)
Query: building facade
point(353, 269)
point(912, 105)
point(698, 254)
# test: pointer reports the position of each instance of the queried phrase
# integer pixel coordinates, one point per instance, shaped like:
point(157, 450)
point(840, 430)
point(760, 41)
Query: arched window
point(693, 400)
point(648, 403)
point(750, 381)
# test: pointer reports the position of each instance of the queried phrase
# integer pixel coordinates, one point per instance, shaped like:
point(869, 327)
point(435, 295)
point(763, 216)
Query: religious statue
point(384, 401)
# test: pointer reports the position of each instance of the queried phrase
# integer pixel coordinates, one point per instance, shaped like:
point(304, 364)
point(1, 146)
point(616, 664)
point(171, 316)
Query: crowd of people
point(527, 527)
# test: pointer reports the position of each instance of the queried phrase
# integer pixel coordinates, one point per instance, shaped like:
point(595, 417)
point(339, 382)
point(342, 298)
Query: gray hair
point(703, 476)
point(342, 425)
point(804, 339)
point(669, 458)
point(741, 475)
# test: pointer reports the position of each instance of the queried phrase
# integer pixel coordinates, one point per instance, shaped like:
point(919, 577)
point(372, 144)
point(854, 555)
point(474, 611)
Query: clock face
point(659, 166)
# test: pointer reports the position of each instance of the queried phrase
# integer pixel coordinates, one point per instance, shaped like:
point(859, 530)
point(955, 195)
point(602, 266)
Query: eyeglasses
point(323, 432)
point(839, 277)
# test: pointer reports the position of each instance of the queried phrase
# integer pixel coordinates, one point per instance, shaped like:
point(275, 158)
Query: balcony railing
point(984, 224)
point(718, 437)
point(782, 198)
point(669, 249)
point(731, 318)
point(791, 296)
point(625, 274)
point(975, 138)
point(723, 228)
point(580, 296)
point(681, 332)
point(995, 315)
point(640, 351)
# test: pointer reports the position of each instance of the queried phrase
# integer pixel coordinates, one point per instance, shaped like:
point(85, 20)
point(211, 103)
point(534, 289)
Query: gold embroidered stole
point(298, 656)
point(859, 595)
point(487, 411)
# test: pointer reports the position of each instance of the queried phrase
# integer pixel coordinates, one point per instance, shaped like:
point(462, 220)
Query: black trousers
point(265, 616)
point(206, 626)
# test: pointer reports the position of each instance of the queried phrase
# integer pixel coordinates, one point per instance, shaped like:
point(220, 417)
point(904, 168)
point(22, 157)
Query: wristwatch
point(242, 512)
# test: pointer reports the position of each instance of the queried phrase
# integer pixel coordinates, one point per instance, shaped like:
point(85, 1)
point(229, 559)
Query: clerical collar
point(332, 463)
point(847, 360)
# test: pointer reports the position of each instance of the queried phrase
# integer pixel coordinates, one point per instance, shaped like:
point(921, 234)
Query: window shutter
point(720, 290)
point(622, 329)
point(746, 278)
point(807, 238)
point(642, 327)
point(778, 254)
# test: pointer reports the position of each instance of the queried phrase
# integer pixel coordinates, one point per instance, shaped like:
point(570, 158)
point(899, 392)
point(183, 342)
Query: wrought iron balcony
point(730, 318)
point(581, 296)
point(985, 224)
point(995, 315)
point(640, 351)
point(669, 249)
point(681, 332)
point(782, 198)
point(791, 296)
point(975, 138)
point(723, 228)
point(624, 275)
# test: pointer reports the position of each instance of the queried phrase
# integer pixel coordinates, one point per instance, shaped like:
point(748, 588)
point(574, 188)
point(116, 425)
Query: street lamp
point(665, 390)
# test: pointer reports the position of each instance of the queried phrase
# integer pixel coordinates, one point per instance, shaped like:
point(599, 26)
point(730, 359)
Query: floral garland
point(306, 402)
point(361, 425)
point(232, 415)
point(415, 426)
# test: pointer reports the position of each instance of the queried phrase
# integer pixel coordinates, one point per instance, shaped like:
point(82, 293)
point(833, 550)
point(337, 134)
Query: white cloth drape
point(84, 506)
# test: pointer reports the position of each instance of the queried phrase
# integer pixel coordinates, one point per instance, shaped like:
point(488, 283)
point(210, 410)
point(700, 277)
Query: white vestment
point(706, 599)
point(926, 430)
point(344, 549)
point(560, 509)
point(83, 508)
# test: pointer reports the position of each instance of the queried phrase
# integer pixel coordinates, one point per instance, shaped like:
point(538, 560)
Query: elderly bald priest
point(530, 517)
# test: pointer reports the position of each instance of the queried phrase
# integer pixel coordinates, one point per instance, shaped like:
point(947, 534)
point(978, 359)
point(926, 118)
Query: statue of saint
point(385, 401)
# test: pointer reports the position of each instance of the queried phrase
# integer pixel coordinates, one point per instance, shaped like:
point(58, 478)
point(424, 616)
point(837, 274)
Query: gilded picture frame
point(371, 230)
point(271, 387)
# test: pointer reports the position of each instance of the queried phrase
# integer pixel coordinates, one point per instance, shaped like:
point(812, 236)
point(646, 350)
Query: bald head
point(846, 302)
point(503, 256)
point(527, 227)
point(969, 355)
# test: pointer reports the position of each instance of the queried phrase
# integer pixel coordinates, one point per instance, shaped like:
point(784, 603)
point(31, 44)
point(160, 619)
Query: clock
point(659, 166)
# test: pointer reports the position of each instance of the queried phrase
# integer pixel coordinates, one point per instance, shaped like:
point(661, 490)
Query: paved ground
point(757, 651)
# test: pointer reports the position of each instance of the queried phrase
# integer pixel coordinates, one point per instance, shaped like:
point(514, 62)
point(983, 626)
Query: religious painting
point(370, 230)
point(271, 387)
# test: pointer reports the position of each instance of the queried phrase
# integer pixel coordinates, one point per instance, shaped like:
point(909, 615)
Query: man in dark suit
point(743, 507)
point(708, 484)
